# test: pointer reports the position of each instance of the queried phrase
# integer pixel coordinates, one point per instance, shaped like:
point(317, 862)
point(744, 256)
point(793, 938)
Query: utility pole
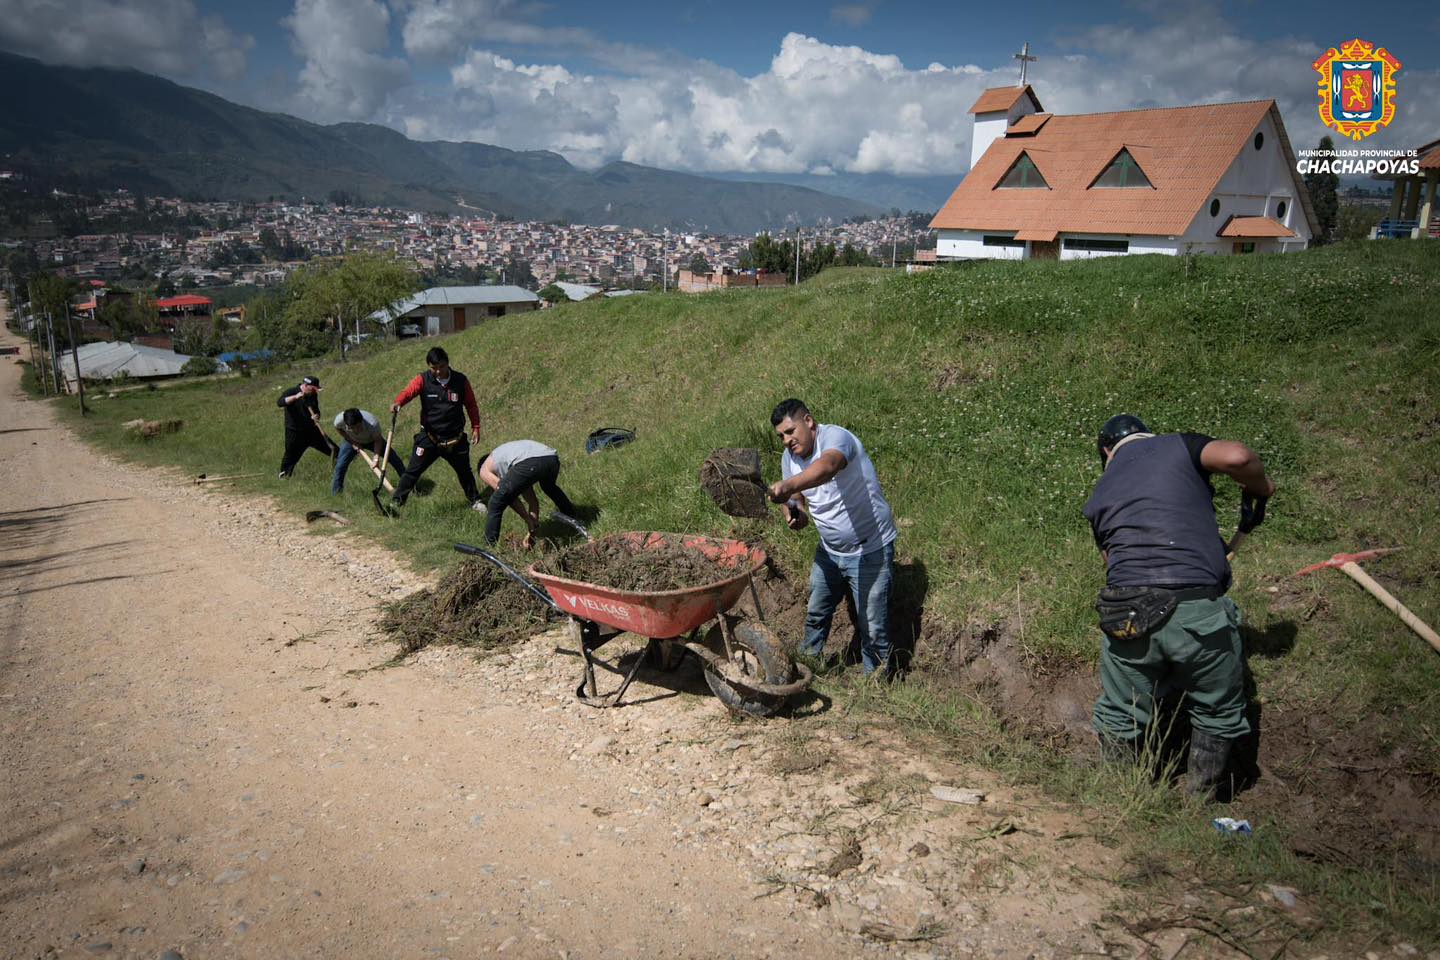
point(36, 367)
point(54, 360)
point(892, 251)
point(75, 357)
point(797, 256)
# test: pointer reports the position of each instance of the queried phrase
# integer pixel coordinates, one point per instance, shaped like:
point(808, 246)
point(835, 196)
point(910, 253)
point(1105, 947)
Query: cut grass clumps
point(661, 563)
point(475, 606)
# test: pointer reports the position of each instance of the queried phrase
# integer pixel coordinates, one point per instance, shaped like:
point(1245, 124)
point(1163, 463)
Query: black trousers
point(296, 443)
point(427, 452)
point(522, 476)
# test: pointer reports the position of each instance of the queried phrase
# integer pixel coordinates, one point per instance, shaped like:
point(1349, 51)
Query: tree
point(199, 367)
point(166, 286)
point(552, 294)
point(698, 264)
point(518, 272)
point(326, 299)
point(765, 253)
point(51, 294)
point(1354, 220)
point(851, 257)
point(124, 317)
point(1324, 195)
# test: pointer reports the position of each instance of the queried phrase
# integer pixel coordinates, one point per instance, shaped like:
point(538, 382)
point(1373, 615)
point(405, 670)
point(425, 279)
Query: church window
point(1215, 207)
point(1280, 209)
point(1122, 172)
point(1259, 140)
point(1023, 175)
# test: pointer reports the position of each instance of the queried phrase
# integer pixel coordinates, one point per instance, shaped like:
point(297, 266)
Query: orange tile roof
point(1028, 124)
point(1003, 98)
point(1430, 156)
point(1184, 151)
point(1039, 236)
point(1251, 228)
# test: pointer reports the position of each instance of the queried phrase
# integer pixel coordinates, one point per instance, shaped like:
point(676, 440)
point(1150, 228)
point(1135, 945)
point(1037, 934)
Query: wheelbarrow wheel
point(758, 654)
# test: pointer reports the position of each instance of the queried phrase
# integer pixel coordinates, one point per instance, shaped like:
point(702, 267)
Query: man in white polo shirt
point(828, 476)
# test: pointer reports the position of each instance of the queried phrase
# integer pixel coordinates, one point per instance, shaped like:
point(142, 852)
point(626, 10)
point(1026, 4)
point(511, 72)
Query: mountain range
point(101, 128)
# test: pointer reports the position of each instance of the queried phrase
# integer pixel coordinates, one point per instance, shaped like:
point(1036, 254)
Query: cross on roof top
point(1025, 60)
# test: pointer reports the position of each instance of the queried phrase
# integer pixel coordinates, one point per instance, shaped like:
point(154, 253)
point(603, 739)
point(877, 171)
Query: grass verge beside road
point(977, 392)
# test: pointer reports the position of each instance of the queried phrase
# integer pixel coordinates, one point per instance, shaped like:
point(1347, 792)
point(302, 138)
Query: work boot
point(1205, 767)
point(1119, 752)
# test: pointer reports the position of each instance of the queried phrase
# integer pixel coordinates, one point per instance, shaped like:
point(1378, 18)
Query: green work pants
point(1197, 650)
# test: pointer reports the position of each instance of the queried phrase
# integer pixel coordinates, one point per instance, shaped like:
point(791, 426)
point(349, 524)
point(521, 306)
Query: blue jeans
point(867, 577)
point(342, 465)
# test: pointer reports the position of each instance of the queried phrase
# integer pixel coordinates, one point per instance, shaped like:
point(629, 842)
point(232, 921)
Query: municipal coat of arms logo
point(1357, 88)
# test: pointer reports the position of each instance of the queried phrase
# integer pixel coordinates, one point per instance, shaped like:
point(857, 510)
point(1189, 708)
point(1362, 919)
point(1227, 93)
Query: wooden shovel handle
point(374, 464)
point(1353, 570)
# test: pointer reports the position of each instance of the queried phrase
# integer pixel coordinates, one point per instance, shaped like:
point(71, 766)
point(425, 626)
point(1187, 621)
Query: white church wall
point(970, 245)
point(1256, 184)
point(988, 128)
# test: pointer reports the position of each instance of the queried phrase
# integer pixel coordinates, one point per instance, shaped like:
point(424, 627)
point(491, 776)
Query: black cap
point(312, 381)
point(1117, 428)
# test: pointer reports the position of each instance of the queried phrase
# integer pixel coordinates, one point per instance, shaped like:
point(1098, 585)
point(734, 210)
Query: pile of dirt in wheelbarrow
point(661, 565)
point(473, 606)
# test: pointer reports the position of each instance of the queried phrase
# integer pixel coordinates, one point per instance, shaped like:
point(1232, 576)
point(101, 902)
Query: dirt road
point(191, 766)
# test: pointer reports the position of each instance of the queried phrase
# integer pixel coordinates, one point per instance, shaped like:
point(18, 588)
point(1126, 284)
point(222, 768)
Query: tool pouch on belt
point(1129, 613)
point(445, 445)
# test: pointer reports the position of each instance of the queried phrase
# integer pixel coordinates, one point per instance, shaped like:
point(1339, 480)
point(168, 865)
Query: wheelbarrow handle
point(572, 523)
point(510, 572)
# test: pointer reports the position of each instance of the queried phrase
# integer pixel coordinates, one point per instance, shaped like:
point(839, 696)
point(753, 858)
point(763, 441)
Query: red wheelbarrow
point(745, 664)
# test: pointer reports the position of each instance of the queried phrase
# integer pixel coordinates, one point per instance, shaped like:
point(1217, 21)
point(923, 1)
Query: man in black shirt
point(1164, 611)
point(302, 424)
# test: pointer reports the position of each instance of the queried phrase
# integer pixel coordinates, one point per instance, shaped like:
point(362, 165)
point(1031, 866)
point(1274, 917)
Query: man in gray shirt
point(512, 470)
point(828, 477)
point(359, 430)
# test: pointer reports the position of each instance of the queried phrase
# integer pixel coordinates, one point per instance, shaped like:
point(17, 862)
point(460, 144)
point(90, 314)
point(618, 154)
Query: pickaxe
point(1349, 564)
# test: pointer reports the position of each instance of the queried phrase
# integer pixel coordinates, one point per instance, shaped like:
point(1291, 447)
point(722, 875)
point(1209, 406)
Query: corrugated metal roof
point(577, 291)
point(1003, 98)
point(455, 297)
point(100, 361)
point(1184, 152)
point(1254, 227)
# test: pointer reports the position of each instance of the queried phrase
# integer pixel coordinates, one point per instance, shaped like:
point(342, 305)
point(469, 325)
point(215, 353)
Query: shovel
point(1349, 564)
point(385, 509)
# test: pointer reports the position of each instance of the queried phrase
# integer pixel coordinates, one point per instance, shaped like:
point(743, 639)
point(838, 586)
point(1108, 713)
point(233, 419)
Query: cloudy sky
point(874, 86)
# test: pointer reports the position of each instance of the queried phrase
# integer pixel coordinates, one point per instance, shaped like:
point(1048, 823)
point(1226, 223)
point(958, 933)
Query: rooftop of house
point(1180, 154)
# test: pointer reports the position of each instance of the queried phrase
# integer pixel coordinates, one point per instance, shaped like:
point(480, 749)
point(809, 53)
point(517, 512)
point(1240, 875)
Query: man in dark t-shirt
point(301, 404)
point(1153, 516)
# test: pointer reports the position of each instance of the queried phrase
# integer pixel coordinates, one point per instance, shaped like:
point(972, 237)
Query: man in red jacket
point(445, 399)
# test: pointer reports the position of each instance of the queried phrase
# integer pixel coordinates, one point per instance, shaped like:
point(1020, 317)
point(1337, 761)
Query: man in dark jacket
point(446, 397)
point(1164, 612)
point(301, 404)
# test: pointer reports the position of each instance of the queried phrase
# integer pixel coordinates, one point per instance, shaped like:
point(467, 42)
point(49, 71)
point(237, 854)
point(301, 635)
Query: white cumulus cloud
point(346, 75)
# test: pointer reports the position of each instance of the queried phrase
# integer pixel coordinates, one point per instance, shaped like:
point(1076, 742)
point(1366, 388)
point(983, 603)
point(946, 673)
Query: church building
point(1217, 178)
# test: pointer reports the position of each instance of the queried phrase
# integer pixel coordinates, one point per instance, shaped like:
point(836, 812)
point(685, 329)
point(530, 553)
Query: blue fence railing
point(1395, 229)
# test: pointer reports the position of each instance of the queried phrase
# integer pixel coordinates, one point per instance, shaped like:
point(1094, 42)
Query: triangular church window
point(1123, 172)
point(1023, 174)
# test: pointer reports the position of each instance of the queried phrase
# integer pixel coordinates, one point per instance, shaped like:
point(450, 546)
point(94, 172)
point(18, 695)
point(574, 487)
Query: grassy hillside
point(978, 392)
